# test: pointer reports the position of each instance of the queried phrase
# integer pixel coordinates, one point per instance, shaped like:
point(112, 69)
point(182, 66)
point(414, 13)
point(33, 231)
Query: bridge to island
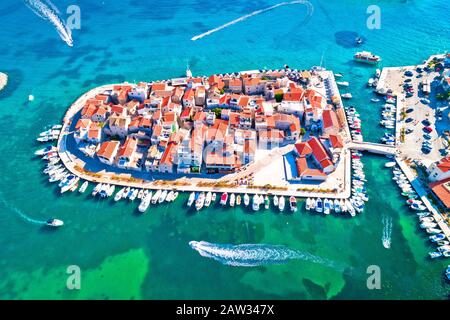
point(373, 148)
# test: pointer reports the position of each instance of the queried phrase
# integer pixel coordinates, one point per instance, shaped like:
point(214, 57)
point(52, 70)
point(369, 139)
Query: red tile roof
point(442, 191)
point(107, 149)
point(444, 164)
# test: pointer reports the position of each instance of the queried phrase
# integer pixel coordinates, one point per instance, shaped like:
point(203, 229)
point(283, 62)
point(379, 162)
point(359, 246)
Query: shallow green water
point(125, 255)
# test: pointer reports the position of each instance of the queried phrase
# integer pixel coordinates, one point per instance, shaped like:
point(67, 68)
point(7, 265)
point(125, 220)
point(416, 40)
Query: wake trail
point(309, 6)
point(20, 213)
point(49, 12)
point(253, 255)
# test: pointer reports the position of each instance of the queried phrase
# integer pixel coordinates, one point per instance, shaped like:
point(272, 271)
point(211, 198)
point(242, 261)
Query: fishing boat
point(224, 199)
point(246, 200)
point(308, 204)
point(281, 203)
point(266, 202)
point(232, 200)
point(200, 202)
point(119, 194)
point(164, 193)
point(54, 223)
point(156, 196)
point(208, 199)
point(293, 204)
point(366, 57)
point(326, 206)
point(84, 186)
point(275, 201)
point(337, 206)
point(191, 199)
point(255, 203)
point(319, 205)
point(238, 200)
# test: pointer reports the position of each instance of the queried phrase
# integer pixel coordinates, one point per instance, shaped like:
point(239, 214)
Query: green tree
point(279, 97)
point(302, 131)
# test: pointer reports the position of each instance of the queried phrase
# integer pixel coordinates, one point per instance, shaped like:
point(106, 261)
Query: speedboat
point(163, 196)
point(224, 198)
point(308, 204)
point(83, 187)
point(208, 199)
point(281, 203)
point(246, 200)
point(238, 200)
point(326, 206)
point(232, 200)
point(200, 202)
point(157, 194)
point(275, 201)
point(119, 194)
point(256, 203)
point(319, 205)
point(293, 204)
point(191, 199)
point(266, 202)
point(54, 223)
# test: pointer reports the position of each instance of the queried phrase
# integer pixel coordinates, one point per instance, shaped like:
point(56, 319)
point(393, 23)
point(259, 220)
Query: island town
point(257, 137)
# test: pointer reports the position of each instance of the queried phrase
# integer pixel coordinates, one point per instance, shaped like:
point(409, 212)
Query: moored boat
point(281, 203)
point(224, 199)
point(232, 200)
point(191, 199)
point(293, 204)
point(246, 200)
point(200, 202)
point(208, 199)
point(255, 203)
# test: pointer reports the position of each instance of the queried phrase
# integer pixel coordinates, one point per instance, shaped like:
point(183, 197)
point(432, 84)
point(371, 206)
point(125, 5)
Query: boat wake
point(387, 231)
point(309, 7)
point(253, 255)
point(21, 214)
point(48, 11)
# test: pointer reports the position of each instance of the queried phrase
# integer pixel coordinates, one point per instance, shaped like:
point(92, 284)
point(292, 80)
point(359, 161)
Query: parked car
point(409, 120)
point(409, 73)
point(410, 110)
point(428, 129)
point(426, 122)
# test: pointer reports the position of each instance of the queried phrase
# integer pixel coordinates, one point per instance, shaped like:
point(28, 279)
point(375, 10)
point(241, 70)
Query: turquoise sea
point(123, 255)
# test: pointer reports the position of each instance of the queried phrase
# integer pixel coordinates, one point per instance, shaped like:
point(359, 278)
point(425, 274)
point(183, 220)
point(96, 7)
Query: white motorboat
point(191, 199)
point(208, 199)
point(308, 204)
point(54, 223)
point(145, 202)
point(126, 193)
point(44, 151)
point(246, 200)
point(170, 196)
point(133, 194)
point(238, 200)
point(319, 205)
point(156, 196)
point(293, 204)
point(97, 189)
point(390, 164)
point(350, 208)
point(347, 96)
point(275, 201)
point(337, 206)
point(232, 200)
point(342, 83)
point(313, 204)
point(255, 204)
point(119, 194)
point(281, 203)
point(418, 207)
point(84, 186)
point(163, 196)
